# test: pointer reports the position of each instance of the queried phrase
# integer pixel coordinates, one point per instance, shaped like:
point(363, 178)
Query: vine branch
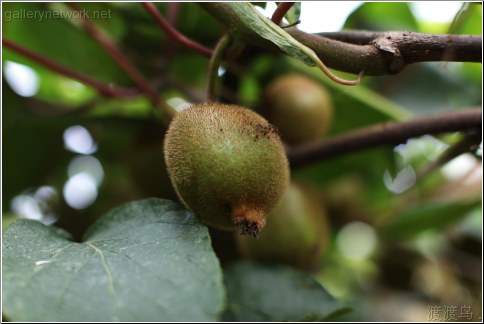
point(388, 52)
point(214, 65)
point(355, 51)
point(175, 34)
point(391, 133)
point(281, 11)
point(467, 144)
point(105, 89)
point(117, 55)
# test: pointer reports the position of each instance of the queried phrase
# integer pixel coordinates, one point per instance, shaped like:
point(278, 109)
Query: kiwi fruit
point(299, 107)
point(296, 233)
point(227, 164)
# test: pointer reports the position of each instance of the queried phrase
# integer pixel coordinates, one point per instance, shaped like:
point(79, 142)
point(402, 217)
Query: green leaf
point(53, 35)
point(259, 292)
point(256, 23)
point(382, 16)
point(144, 261)
point(468, 20)
point(360, 100)
point(415, 89)
point(294, 13)
point(424, 217)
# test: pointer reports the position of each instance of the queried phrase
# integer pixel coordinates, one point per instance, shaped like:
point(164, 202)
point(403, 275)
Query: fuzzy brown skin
point(300, 108)
point(227, 164)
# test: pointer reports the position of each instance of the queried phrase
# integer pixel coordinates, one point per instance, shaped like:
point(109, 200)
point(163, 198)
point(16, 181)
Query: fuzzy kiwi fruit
point(296, 233)
point(300, 107)
point(227, 164)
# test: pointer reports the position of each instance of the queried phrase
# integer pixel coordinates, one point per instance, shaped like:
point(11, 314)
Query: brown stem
point(250, 219)
point(172, 16)
point(358, 37)
point(105, 89)
point(117, 55)
point(281, 11)
point(213, 67)
point(390, 52)
point(173, 33)
point(384, 134)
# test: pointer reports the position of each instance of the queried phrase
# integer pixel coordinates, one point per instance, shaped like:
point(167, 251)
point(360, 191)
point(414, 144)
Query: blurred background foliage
point(396, 246)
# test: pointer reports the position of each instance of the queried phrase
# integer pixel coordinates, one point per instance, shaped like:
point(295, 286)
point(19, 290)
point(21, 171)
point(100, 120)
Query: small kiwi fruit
point(296, 233)
point(227, 164)
point(299, 107)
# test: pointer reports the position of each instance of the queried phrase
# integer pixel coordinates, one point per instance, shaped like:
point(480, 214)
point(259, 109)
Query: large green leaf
point(259, 292)
point(144, 261)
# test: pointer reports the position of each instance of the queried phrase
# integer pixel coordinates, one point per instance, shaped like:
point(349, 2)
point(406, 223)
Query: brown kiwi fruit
point(227, 164)
point(299, 107)
point(296, 233)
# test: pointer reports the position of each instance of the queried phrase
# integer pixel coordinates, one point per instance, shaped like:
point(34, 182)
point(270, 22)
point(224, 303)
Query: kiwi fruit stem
point(250, 219)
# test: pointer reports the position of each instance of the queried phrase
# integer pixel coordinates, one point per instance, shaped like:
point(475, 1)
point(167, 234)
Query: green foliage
point(144, 261)
point(383, 16)
point(430, 216)
point(266, 293)
point(254, 22)
point(75, 50)
point(150, 260)
point(294, 13)
point(19, 128)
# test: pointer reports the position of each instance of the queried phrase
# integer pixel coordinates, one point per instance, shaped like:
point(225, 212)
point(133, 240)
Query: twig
point(297, 22)
point(281, 11)
point(117, 55)
point(169, 50)
point(214, 66)
point(173, 33)
point(466, 144)
point(104, 89)
point(330, 74)
point(384, 134)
